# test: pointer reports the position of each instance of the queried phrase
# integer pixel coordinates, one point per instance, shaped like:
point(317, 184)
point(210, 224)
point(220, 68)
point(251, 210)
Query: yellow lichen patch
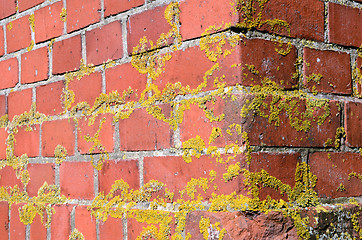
point(30, 47)
point(63, 15)
point(232, 171)
point(60, 154)
point(193, 147)
point(215, 133)
point(10, 26)
point(209, 230)
point(31, 21)
point(341, 188)
point(76, 235)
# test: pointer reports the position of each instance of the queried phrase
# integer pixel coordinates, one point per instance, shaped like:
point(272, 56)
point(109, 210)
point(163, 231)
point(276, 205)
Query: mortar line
point(124, 36)
point(27, 232)
point(326, 23)
point(104, 83)
point(125, 227)
point(65, 22)
point(84, 47)
point(5, 42)
point(72, 219)
point(102, 10)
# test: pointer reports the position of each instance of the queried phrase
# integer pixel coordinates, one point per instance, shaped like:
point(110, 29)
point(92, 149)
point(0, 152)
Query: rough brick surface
point(10, 72)
point(27, 142)
point(10, 180)
point(26, 4)
point(60, 227)
point(333, 169)
point(18, 34)
point(82, 13)
point(4, 220)
point(58, 132)
point(37, 229)
point(49, 98)
point(141, 131)
point(111, 229)
point(7, 8)
point(353, 123)
point(334, 68)
point(2, 43)
point(2, 105)
point(19, 102)
point(113, 170)
point(76, 180)
point(67, 55)
point(85, 223)
point(112, 7)
point(3, 136)
point(39, 174)
point(34, 65)
point(104, 43)
point(344, 27)
point(17, 228)
point(47, 22)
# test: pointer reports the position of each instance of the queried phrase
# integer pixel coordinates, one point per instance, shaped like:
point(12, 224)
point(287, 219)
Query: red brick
point(26, 4)
point(359, 69)
point(67, 55)
point(85, 223)
point(196, 16)
point(333, 66)
point(353, 123)
point(18, 35)
point(104, 43)
point(2, 41)
point(55, 133)
point(39, 174)
point(60, 227)
point(27, 142)
point(332, 169)
point(8, 178)
point(87, 89)
point(49, 98)
point(141, 131)
point(7, 8)
point(279, 165)
point(135, 228)
point(34, 65)
point(344, 27)
point(105, 134)
point(2, 105)
point(3, 137)
point(263, 56)
point(17, 228)
point(151, 24)
point(37, 230)
point(182, 68)
point(112, 7)
point(19, 102)
point(126, 170)
point(82, 13)
point(10, 73)
point(76, 180)
point(121, 77)
point(305, 19)
point(4, 220)
point(48, 23)
point(111, 229)
point(176, 173)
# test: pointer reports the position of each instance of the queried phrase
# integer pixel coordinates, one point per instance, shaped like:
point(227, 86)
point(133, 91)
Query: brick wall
point(190, 119)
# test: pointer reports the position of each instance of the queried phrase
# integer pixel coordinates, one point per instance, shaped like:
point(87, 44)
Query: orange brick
point(26, 4)
point(2, 43)
point(7, 8)
point(49, 98)
point(19, 102)
point(3, 137)
point(18, 35)
point(37, 229)
point(8, 177)
point(60, 227)
point(34, 65)
point(85, 223)
point(111, 229)
point(27, 142)
point(10, 73)
point(82, 13)
point(4, 220)
point(39, 174)
point(112, 7)
point(67, 55)
point(17, 228)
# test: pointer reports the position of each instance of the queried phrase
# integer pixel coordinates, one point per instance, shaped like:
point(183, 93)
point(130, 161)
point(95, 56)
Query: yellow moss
point(192, 147)
point(341, 188)
point(76, 235)
point(232, 171)
point(63, 15)
point(31, 21)
point(60, 154)
point(30, 47)
point(10, 26)
point(215, 133)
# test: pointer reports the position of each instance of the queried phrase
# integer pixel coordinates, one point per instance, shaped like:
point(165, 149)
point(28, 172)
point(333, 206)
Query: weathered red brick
point(82, 13)
point(19, 102)
point(279, 165)
point(141, 131)
point(104, 43)
point(112, 7)
point(176, 173)
point(111, 229)
point(121, 77)
point(332, 169)
point(2, 41)
point(58, 132)
point(39, 174)
point(26, 4)
point(7, 8)
point(37, 229)
point(86, 89)
point(76, 180)
point(60, 227)
point(135, 227)
point(359, 69)
point(49, 98)
point(34, 65)
point(67, 55)
point(2, 105)
point(262, 55)
point(305, 19)
point(344, 27)
point(85, 223)
point(18, 35)
point(353, 123)
point(8, 177)
point(334, 68)
point(196, 16)
point(105, 134)
point(4, 220)
point(113, 170)
point(27, 142)
point(151, 24)
point(3, 137)
point(10, 73)
point(47, 22)
point(17, 228)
